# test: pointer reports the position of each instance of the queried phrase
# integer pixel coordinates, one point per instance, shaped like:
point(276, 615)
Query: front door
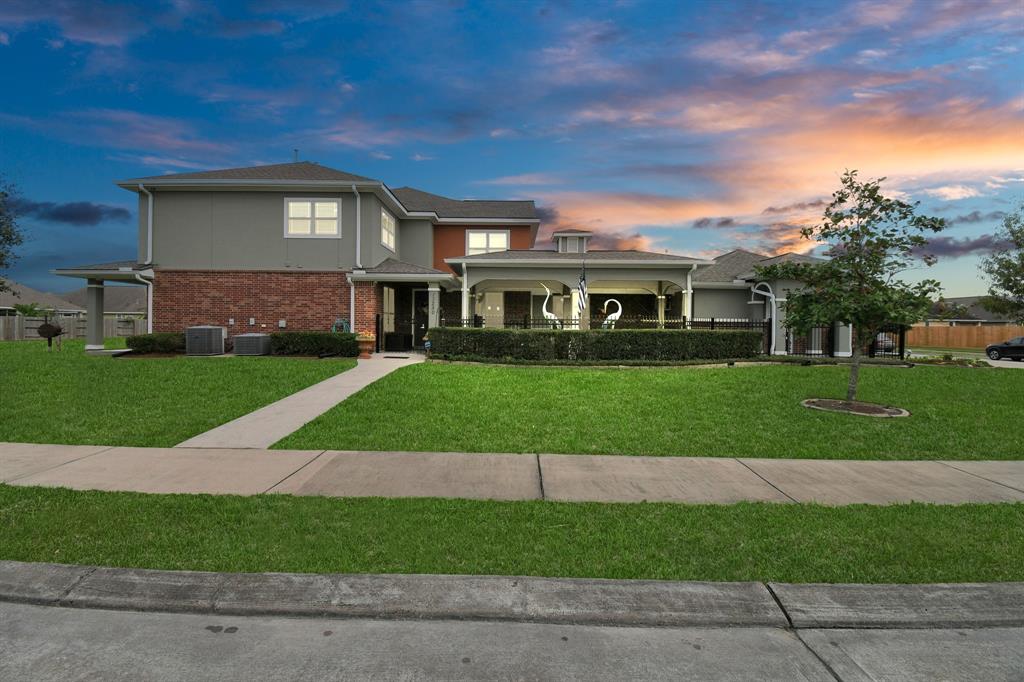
point(420, 316)
point(494, 309)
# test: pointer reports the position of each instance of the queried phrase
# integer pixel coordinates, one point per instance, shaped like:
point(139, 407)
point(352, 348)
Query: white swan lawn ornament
point(610, 318)
point(551, 317)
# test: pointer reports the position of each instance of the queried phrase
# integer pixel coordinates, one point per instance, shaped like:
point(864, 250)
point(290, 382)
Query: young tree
point(1005, 269)
point(871, 240)
point(10, 233)
point(28, 309)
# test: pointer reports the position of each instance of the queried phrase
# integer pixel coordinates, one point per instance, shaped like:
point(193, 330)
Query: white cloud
point(421, 157)
point(380, 155)
point(4, 38)
point(952, 192)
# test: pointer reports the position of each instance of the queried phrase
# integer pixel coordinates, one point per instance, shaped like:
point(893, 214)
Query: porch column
point(661, 305)
point(465, 293)
point(585, 315)
point(574, 305)
point(433, 306)
point(688, 295)
point(94, 315)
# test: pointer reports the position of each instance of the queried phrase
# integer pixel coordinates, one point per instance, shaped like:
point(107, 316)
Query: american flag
point(582, 303)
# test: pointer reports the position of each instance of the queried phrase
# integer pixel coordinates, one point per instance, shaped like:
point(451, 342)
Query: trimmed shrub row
point(314, 343)
point(162, 342)
point(596, 345)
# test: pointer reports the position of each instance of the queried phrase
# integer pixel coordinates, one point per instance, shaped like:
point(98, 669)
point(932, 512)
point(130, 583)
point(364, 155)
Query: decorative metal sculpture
point(610, 318)
point(549, 316)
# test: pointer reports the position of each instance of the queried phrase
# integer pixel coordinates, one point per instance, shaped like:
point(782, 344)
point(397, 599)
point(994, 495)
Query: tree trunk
point(851, 388)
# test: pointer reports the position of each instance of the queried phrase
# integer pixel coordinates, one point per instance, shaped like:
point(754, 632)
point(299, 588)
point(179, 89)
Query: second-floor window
point(312, 217)
point(486, 241)
point(388, 229)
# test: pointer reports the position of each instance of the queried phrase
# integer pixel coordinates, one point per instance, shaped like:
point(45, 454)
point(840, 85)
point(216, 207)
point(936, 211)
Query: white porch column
point(688, 294)
point(465, 293)
point(433, 306)
point(574, 305)
point(661, 305)
point(94, 315)
point(585, 315)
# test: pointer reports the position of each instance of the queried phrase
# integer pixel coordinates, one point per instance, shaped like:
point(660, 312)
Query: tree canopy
point(10, 232)
point(870, 240)
point(1005, 269)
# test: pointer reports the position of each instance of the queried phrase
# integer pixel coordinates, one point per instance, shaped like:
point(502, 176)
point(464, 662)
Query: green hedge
point(653, 345)
point(314, 343)
point(163, 342)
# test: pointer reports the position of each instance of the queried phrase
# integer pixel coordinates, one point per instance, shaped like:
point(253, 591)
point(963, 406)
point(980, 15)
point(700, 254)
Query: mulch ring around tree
point(854, 407)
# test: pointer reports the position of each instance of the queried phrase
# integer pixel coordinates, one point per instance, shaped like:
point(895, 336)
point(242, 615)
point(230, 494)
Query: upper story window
point(388, 229)
point(486, 241)
point(312, 218)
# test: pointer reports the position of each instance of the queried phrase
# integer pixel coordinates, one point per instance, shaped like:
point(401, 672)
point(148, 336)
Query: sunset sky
point(693, 127)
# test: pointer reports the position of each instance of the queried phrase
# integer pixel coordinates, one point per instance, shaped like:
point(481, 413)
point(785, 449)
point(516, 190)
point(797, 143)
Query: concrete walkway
point(269, 424)
point(573, 478)
point(61, 621)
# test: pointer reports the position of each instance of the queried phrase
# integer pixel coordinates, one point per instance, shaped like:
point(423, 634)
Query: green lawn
point(795, 543)
point(69, 397)
point(957, 413)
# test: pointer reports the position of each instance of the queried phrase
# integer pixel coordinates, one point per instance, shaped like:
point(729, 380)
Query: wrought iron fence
point(891, 342)
point(819, 341)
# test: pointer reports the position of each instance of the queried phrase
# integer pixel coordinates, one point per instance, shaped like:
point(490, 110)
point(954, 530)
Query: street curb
point(399, 596)
point(518, 599)
point(934, 605)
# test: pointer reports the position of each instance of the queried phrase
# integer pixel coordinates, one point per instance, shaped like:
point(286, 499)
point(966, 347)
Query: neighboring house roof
point(21, 294)
point(301, 170)
point(418, 200)
point(116, 299)
point(534, 255)
point(974, 309)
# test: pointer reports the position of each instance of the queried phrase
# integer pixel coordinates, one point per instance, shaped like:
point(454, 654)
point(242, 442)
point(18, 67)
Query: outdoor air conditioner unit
point(204, 340)
point(252, 344)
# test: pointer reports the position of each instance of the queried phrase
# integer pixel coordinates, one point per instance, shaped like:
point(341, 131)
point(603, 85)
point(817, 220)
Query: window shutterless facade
point(486, 241)
point(388, 229)
point(312, 218)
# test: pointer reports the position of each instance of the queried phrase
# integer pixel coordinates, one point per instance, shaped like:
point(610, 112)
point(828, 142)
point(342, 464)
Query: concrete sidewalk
point(570, 478)
point(269, 424)
point(59, 621)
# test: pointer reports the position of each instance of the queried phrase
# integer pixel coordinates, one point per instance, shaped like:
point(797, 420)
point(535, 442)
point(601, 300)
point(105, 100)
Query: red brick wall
point(369, 299)
point(306, 300)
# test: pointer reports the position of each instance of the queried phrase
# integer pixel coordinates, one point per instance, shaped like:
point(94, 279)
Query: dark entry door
point(420, 316)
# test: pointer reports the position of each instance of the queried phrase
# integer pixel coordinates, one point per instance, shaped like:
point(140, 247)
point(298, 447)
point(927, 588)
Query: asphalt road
point(54, 643)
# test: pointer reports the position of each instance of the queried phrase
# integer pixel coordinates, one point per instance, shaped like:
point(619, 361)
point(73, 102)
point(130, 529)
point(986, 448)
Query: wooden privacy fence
point(20, 328)
point(974, 336)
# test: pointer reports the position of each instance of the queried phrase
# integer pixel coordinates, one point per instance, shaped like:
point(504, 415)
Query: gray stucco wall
point(723, 303)
point(416, 242)
point(245, 230)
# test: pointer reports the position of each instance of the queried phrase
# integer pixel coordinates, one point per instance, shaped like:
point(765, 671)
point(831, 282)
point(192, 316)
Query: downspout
point(359, 260)
point(149, 301)
point(359, 230)
point(149, 225)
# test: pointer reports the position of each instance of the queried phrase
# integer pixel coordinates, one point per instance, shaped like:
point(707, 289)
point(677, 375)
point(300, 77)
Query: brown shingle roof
point(418, 200)
point(392, 266)
point(729, 266)
point(301, 170)
point(21, 294)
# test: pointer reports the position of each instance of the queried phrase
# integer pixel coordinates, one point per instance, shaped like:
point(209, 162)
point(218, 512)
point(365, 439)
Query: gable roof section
point(21, 294)
point(393, 266)
point(729, 266)
point(418, 200)
point(301, 170)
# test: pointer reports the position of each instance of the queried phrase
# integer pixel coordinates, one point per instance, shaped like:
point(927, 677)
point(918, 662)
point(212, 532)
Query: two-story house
point(300, 246)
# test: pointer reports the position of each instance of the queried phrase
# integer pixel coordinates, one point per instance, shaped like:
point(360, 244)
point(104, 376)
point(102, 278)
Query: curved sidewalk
point(567, 478)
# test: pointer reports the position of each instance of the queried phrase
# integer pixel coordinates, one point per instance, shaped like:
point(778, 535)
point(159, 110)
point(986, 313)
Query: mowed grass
point(956, 413)
point(794, 543)
point(69, 397)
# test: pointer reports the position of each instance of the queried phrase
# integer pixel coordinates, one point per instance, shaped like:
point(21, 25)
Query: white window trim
point(394, 234)
point(508, 239)
point(312, 223)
